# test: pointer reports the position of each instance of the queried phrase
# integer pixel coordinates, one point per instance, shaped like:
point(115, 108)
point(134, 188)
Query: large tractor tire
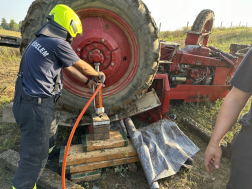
point(123, 31)
point(203, 23)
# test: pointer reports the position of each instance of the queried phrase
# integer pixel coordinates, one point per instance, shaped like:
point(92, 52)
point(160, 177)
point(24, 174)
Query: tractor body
point(192, 74)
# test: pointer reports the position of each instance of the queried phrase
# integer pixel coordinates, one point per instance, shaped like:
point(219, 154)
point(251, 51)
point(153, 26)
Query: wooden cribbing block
point(101, 164)
point(102, 129)
point(76, 155)
point(86, 176)
point(100, 121)
point(100, 126)
point(117, 139)
point(101, 136)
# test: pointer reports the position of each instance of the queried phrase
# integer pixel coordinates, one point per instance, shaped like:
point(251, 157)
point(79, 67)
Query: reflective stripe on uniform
point(51, 149)
point(33, 187)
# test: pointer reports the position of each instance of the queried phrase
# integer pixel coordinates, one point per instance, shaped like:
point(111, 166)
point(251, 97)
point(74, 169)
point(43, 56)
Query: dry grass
point(205, 113)
point(9, 64)
point(11, 33)
point(220, 37)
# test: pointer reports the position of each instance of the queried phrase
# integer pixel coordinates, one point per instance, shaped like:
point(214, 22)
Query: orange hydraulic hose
point(71, 136)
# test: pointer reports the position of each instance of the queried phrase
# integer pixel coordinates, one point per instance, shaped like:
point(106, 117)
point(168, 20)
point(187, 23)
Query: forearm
point(76, 74)
point(228, 114)
point(227, 117)
point(85, 68)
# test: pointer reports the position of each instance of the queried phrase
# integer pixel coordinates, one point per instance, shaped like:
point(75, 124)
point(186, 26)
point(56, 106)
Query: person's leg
point(53, 151)
point(241, 160)
point(34, 120)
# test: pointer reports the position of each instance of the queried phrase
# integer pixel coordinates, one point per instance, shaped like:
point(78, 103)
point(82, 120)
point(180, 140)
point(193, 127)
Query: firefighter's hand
point(101, 77)
point(212, 156)
point(90, 83)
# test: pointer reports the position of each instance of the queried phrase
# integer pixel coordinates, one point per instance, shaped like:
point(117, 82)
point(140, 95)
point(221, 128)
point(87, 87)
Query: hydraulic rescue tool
point(100, 122)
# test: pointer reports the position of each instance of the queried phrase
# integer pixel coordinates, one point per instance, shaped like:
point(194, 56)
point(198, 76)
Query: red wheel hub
point(95, 57)
point(107, 39)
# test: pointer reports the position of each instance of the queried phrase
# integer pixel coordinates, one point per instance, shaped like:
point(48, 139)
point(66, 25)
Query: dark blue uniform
point(34, 103)
point(43, 62)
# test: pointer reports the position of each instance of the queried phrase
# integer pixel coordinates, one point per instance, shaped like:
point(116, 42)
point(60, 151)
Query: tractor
point(123, 38)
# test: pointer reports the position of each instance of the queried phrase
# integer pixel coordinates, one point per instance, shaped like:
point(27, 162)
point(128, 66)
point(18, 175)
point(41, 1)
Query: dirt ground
point(120, 177)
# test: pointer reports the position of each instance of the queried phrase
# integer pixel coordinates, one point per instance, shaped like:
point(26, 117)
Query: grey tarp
point(162, 149)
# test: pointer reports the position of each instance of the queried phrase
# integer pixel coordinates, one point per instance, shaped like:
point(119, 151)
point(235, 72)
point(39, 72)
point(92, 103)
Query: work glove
point(101, 77)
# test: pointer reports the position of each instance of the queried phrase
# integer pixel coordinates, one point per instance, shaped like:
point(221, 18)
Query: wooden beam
point(117, 139)
point(76, 155)
point(101, 164)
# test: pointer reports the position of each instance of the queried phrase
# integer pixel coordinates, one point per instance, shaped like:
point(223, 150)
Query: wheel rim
point(206, 28)
point(106, 38)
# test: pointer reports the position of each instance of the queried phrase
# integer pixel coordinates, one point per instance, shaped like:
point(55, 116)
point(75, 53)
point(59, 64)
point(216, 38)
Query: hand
point(100, 75)
point(90, 83)
point(212, 156)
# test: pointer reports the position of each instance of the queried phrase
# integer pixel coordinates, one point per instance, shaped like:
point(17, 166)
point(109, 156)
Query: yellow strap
point(35, 187)
point(51, 149)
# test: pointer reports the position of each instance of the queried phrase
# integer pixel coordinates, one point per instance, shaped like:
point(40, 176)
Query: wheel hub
point(101, 48)
point(95, 57)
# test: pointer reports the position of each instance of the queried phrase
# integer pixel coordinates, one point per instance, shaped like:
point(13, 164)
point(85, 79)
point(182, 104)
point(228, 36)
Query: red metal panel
point(192, 39)
point(160, 83)
point(193, 93)
point(165, 99)
point(199, 60)
point(221, 76)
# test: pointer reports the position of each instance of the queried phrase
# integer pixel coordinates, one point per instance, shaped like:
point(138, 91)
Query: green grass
point(205, 113)
point(221, 38)
point(10, 33)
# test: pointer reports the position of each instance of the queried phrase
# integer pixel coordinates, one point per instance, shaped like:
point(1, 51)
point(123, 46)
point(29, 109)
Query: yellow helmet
point(67, 18)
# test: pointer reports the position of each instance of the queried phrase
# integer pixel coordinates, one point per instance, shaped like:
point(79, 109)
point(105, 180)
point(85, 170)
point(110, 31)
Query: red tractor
point(122, 36)
point(195, 72)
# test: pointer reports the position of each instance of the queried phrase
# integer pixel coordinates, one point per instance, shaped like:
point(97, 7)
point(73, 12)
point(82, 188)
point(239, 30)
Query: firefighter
point(38, 86)
point(240, 153)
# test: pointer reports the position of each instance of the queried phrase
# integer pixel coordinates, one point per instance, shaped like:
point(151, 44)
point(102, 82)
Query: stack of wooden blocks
point(100, 126)
point(85, 160)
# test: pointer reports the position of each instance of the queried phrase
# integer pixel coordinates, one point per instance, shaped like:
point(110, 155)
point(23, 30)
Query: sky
point(172, 14)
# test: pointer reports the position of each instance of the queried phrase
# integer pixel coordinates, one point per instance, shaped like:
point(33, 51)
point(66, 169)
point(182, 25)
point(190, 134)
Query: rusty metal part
point(10, 41)
point(236, 47)
point(228, 57)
